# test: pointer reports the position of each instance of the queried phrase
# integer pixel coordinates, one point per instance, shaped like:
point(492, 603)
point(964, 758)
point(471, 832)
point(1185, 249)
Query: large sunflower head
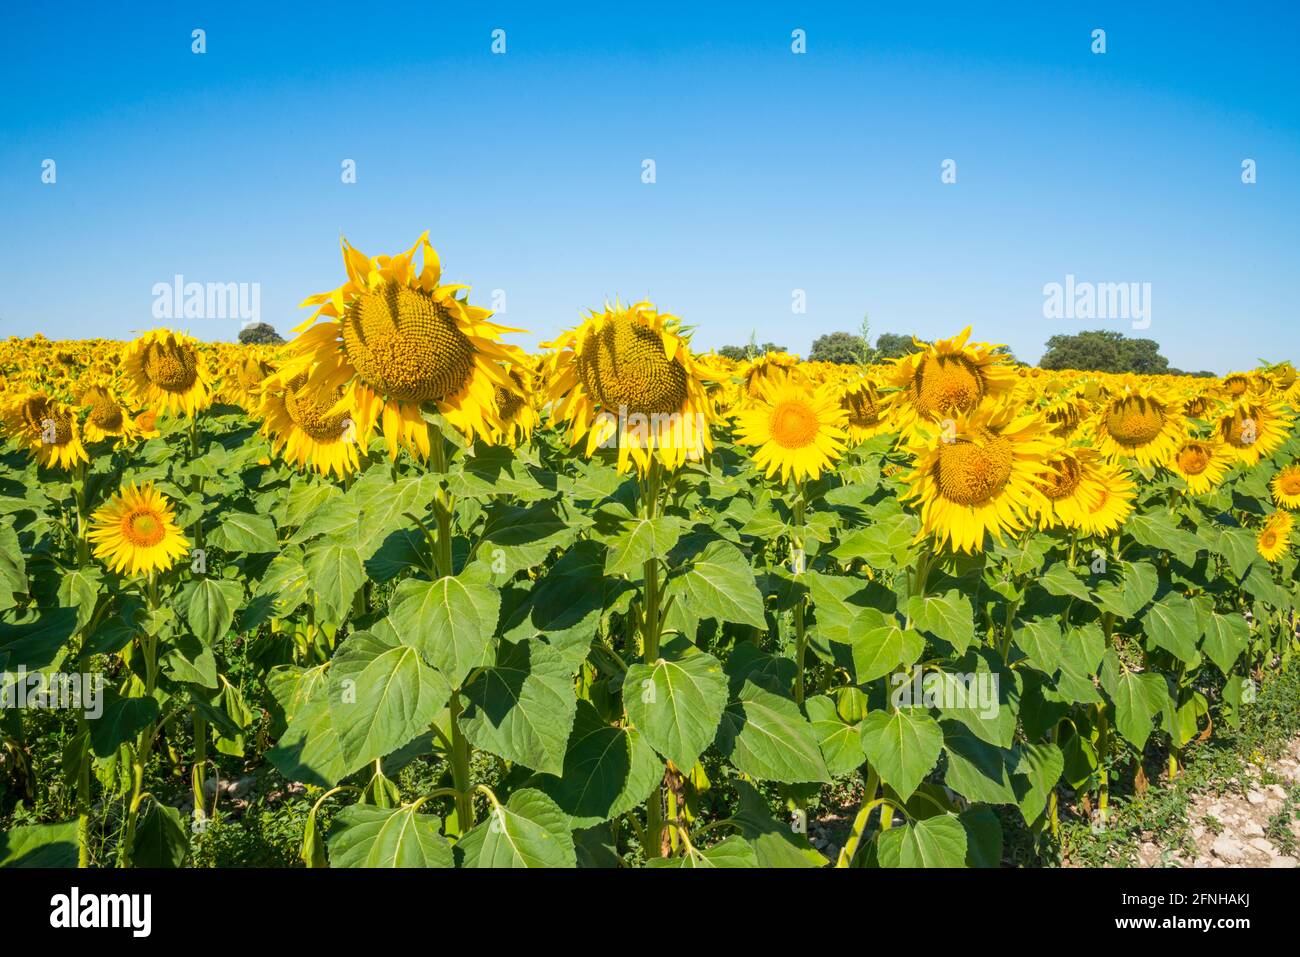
point(1253, 429)
point(976, 473)
point(799, 431)
point(395, 339)
point(1286, 487)
point(136, 531)
point(164, 370)
point(1201, 463)
point(1140, 423)
point(626, 375)
point(947, 378)
point(106, 417)
point(1274, 539)
point(47, 428)
point(1073, 483)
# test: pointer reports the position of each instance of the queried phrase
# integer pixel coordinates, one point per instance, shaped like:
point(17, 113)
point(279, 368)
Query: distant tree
point(1104, 350)
point(842, 347)
point(890, 345)
point(734, 353)
point(259, 334)
point(1006, 351)
point(750, 351)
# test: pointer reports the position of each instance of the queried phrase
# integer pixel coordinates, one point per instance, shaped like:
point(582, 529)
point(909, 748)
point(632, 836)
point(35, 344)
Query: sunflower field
point(620, 602)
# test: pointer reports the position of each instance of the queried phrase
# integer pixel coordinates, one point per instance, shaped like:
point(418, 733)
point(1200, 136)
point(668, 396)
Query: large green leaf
point(1138, 698)
point(449, 621)
point(734, 851)
point(362, 835)
point(161, 838)
point(608, 770)
point(840, 741)
point(522, 707)
point(1171, 624)
point(948, 616)
point(902, 746)
point(336, 572)
point(210, 606)
point(381, 695)
point(529, 830)
point(236, 531)
point(880, 649)
point(677, 704)
point(938, 841)
point(775, 844)
point(40, 845)
point(1226, 636)
point(720, 584)
point(765, 736)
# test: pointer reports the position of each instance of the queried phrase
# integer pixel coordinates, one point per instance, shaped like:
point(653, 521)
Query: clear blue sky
point(775, 171)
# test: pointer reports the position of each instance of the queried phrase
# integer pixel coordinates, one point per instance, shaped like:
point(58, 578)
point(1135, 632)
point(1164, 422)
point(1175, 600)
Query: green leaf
point(903, 746)
point(121, 720)
point(309, 750)
point(1171, 624)
point(1226, 636)
point(1061, 581)
point(1137, 697)
point(40, 845)
point(1137, 586)
point(886, 543)
point(977, 770)
point(161, 838)
point(608, 770)
point(210, 606)
point(522, 708)
point(1040, 640)
point(735, 851)
point(766, 737)
point(948, 616)
point(451, 622)
point(336, 572)
point(236, 531)
point(677, 704)
point(840, 742)
point(880, 649)
point(381, 695)
point(362, 835)
point(938, 841)
point(1237, 546)
point(720, 584)
point(1037, 769)
point(775, 844)
point(529, 830)
point(640, 539)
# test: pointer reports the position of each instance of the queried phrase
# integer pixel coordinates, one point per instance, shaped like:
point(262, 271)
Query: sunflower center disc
point(106, 414)
point(623, 365)
point(508, 404)
point(1193, 459)
point(143, 527)
point(309, 415)
point(1236, 431)
point(1134, 422)
point(406, 345)
point(1065, 478)
point(972, 472)
point(1291, 485)
point(169, 367)
point(794, 425)
point(947, 384)
point(862, 410)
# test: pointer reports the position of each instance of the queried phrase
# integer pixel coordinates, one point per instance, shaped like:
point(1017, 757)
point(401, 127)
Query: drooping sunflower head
point(764, 370)
point(1286, 487)
point(1253, 429)
point(107, 417)
point(47, 428)
point(1235, 384)
point(309, 430)
point(1139, 423)
point(626, 376)
point(977, 473)
point(1198, 405)
point(394, 340)
point(1064, 415)
point(1201, 463)
point(799, 432)
point(517, 408)
point(164, 370)
point(243, 383)
point(136, 531)
point(1274, 539)
point(864, 407)
point(947, 378)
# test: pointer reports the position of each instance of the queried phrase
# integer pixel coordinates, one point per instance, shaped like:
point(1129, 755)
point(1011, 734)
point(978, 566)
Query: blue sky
point(775, 172)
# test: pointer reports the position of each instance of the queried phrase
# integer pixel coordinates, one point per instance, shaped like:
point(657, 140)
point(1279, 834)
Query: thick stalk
point(797, 567)
point(652, 838)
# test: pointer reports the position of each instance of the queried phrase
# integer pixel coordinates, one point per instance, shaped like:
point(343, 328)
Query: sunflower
point(48, 428)
point(1071, 483)
point(1274, 539)
point(1286, 487)
point(1113, 504)
point(1141, 423)
point(394, 340)
point(107, 419)
point(865, 409)
point(517, 408)
point(799, 432)
point(1064, 415)
point(626, 374)
point(136, 531)
point(1254, 429)
point(243, 385)
point(1235, 384)
point(311, 432)
point(1201, 464)
point(980, 477)
point(945, 379)
point(164, 370)
point(762, 370)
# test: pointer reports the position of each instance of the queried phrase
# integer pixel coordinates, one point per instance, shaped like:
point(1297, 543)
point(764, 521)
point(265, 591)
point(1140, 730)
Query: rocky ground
point(1252, 821)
